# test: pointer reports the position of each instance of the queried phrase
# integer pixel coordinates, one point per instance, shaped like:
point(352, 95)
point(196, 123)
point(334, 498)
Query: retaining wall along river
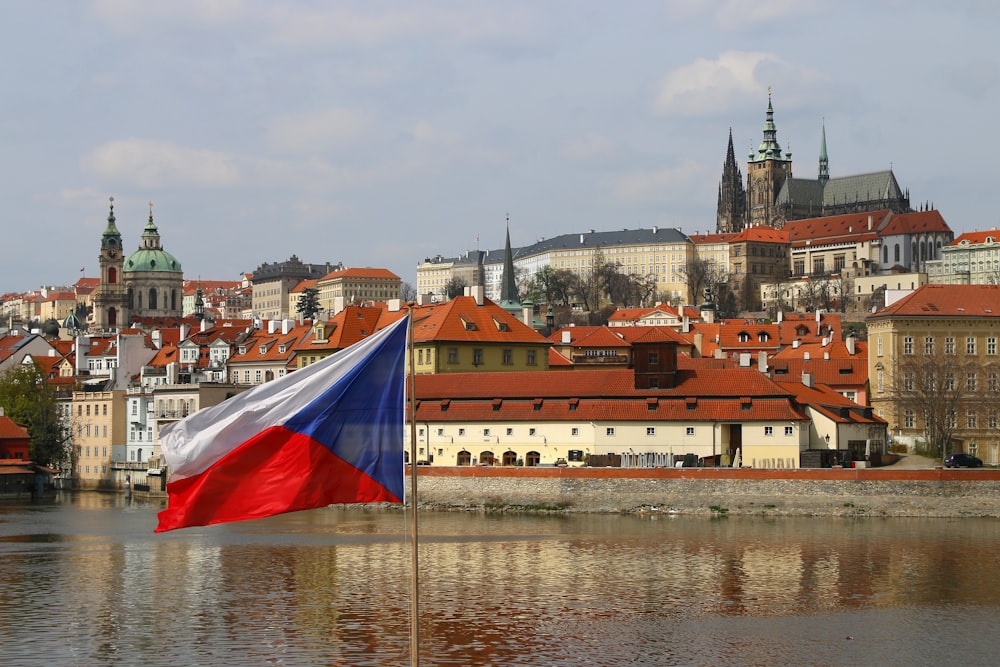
point(803, 492)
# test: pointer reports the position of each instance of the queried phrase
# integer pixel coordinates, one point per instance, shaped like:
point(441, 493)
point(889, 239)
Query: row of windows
point(86, 451)
point(507, 356)
point(85, 430)
point(949, 382)
point(101, 469)
point(971, 343)
point(972, 419)
point(80, 410)
point(609, 431)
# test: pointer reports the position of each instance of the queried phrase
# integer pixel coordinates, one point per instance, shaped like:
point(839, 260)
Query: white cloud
point(153, 164)
point(713, 86)
point(316, 131)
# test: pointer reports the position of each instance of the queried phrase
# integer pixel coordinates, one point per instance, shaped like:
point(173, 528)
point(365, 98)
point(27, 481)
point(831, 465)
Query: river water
point(87, 582)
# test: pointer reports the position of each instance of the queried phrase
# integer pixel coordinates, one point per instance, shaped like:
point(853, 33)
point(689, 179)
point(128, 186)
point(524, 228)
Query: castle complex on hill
point(772, 196)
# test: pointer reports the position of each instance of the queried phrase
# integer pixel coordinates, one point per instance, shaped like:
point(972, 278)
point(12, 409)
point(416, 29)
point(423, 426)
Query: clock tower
point(110, 301)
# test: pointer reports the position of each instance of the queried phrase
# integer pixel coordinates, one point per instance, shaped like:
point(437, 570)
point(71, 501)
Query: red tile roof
point(836, 228)
point(762, 235)
point(701, 394)
point(946, 300)
point(977, 238)
point(360, 273)
point(918, 222)
point(11, 429)
point(461, 320)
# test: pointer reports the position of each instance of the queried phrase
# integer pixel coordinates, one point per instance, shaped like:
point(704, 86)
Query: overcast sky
point(377, 134)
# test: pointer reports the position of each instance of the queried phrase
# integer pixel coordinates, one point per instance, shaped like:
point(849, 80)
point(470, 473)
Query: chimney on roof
point(819, 315)
point(762, 361)
point(698, 339)
point(581, 238)
point(807, 379)
point(686, 323)
point(826, 356)
point(850, 342)
point(795, 344)
point(157, 337)
point(781, 317)
point(394, 305)
point(744, 360)
point(476, 292)
point(567, 337)
point(286, 326)
point(871, 220)
point(805, 356)
point(204, 324)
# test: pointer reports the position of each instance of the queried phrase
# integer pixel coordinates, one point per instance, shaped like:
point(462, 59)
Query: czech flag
point(331, 432)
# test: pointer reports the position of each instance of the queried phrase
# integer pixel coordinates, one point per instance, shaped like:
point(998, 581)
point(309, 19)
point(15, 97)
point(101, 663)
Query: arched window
point(885, 255)
point(896, 253)
point(112, 317)
point(464, 458)
point(131, 298)
point(532, 459)
point(509, 458)
point(152, 298)
point(112, 275)
point(487, 458)
point(173, 299)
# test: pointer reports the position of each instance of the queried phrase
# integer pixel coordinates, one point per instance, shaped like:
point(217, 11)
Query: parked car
point(960, 460)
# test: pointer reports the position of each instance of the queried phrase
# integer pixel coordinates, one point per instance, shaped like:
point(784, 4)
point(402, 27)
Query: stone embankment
point(877, 492)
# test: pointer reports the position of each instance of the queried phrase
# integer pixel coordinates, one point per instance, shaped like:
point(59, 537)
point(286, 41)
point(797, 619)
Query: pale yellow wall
point(98, 422)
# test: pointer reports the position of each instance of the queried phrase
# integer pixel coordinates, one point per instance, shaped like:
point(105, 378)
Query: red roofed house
point(347, 327)
point(14, 439)
point(842, 260)
point(473, 334)
point(653, 414)
point(339, 288)
point(934, 368)
point(757, 255)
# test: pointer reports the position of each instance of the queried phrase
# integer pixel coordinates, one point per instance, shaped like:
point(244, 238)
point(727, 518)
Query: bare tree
point(700, 273)
point(942, 393)
point(455, 287)
point(407, 292)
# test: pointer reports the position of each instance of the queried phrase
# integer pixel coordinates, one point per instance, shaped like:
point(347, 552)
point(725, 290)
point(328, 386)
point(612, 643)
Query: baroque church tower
point(110, 298)
point(767, 171)
point(732, 207)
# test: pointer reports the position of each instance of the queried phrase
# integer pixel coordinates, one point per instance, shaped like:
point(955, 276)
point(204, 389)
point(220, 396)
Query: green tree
point(308, 304)
point(28, 400)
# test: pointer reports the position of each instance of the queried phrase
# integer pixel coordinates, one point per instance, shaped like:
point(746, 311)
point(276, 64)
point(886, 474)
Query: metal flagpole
point(414, 560)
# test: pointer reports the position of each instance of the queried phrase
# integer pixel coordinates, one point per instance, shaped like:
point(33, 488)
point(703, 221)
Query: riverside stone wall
point(826, 492)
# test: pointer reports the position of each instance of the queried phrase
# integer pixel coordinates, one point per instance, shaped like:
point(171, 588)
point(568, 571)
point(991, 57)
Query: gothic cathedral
point(773, 196)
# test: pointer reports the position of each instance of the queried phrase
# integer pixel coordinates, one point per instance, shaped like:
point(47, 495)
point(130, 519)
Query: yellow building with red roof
point(934, 367)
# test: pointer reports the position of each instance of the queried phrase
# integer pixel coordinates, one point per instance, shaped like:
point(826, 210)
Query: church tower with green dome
point(154, 280)
point(110, 297)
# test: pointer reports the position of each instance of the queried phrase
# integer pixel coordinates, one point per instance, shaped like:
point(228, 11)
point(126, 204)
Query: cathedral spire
point(769, 148)
point(508, 284)
point(824, 161)
point(731, 209)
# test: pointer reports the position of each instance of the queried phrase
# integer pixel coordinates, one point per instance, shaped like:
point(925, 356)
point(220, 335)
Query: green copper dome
point(150, 256)
point(152, 260)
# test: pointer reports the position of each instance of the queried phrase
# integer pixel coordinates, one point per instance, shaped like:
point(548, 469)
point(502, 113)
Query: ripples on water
point(86, 582)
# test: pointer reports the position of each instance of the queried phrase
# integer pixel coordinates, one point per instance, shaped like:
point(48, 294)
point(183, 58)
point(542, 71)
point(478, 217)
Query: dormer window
point(763, 337)
point(242, 349)
point(744, 337)
point(282, 348)
point(262, 349)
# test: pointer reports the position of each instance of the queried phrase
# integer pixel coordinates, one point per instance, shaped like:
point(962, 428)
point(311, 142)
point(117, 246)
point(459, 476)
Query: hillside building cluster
point(801, 382)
